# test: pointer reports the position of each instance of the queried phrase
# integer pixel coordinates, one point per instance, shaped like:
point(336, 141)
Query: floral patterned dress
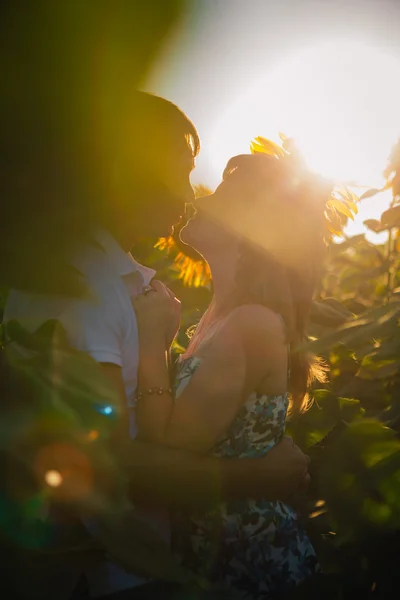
point(254, 549)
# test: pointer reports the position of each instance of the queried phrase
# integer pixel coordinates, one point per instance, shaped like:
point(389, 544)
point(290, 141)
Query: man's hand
point(277, 476)
point(186, 481)
point(157, 314)
point(286, 469)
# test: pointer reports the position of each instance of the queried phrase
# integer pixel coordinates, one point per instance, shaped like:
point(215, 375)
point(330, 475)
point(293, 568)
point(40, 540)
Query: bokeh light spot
point(53, 478)
point(71, 463)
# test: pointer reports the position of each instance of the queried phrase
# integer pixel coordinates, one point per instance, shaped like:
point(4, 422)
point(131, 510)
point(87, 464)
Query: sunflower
point(340, 202)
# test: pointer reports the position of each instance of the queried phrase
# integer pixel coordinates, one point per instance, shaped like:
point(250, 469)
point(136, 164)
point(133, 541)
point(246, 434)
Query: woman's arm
point(234, 365)
point(187, 480)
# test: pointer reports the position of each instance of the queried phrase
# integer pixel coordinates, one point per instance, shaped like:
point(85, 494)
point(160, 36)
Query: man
point(143, 197)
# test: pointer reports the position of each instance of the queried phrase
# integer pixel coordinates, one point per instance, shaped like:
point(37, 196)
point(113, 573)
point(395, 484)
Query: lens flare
point(53, 478)
point(66, 464)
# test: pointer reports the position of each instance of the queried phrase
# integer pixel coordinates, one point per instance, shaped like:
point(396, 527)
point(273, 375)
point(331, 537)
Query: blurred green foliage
point(67, 72)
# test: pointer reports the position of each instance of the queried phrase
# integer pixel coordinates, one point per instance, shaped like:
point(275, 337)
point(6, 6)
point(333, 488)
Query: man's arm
point(187, 480)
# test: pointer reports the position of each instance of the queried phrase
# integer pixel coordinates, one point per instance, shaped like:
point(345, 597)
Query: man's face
point(166, 198)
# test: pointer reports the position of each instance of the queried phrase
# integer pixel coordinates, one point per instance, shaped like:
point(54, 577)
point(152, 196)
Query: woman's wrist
point(153, 367)
point(152, 351)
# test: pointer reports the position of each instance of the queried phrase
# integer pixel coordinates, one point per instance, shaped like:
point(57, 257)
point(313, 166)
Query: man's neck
point(125, 239)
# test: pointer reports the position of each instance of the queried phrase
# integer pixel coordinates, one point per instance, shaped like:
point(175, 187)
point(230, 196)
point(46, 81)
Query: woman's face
point(208, 230)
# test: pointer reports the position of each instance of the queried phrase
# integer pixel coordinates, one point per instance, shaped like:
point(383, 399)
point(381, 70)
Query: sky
point(325, 72)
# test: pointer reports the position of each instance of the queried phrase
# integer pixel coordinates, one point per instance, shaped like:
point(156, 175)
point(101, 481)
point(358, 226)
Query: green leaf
point(391, 217)
point(359, 478)
point(390, 348)
point(374, 225)
point(329, 312)
point(350, 409)
point(373, 367)
point(370, 193)
point(311, 427)
point(372, 324)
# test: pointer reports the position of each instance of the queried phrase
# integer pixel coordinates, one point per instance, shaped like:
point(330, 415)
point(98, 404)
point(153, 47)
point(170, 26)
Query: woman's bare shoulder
point(261, 335)
point(253, 327)
point(255, 317)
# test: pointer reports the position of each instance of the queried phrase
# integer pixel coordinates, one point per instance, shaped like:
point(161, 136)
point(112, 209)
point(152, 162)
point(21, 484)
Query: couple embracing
point(219, 422)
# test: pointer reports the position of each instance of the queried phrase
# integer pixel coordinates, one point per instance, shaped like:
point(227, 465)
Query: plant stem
point(389, 272)
point(391, 248)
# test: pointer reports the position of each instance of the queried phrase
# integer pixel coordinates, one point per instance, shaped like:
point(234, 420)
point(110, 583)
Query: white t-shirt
point(105, 327)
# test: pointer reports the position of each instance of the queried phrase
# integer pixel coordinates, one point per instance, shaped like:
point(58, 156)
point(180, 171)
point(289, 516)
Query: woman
point(262, 235)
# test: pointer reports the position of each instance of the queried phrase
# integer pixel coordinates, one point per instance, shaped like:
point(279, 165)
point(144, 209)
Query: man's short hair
point(153, 114)
point(145, 130)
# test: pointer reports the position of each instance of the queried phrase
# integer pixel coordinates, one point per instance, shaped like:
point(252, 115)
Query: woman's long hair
point(260, 279)
point(281, 254)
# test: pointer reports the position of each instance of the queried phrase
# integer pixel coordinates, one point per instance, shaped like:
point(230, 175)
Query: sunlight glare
point(340, 101)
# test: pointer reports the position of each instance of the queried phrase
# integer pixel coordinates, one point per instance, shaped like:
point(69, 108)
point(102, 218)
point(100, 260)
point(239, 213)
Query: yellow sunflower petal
point(261, 145)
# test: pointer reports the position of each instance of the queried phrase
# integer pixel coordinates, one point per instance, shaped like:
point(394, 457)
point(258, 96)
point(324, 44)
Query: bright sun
point(340, 101)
